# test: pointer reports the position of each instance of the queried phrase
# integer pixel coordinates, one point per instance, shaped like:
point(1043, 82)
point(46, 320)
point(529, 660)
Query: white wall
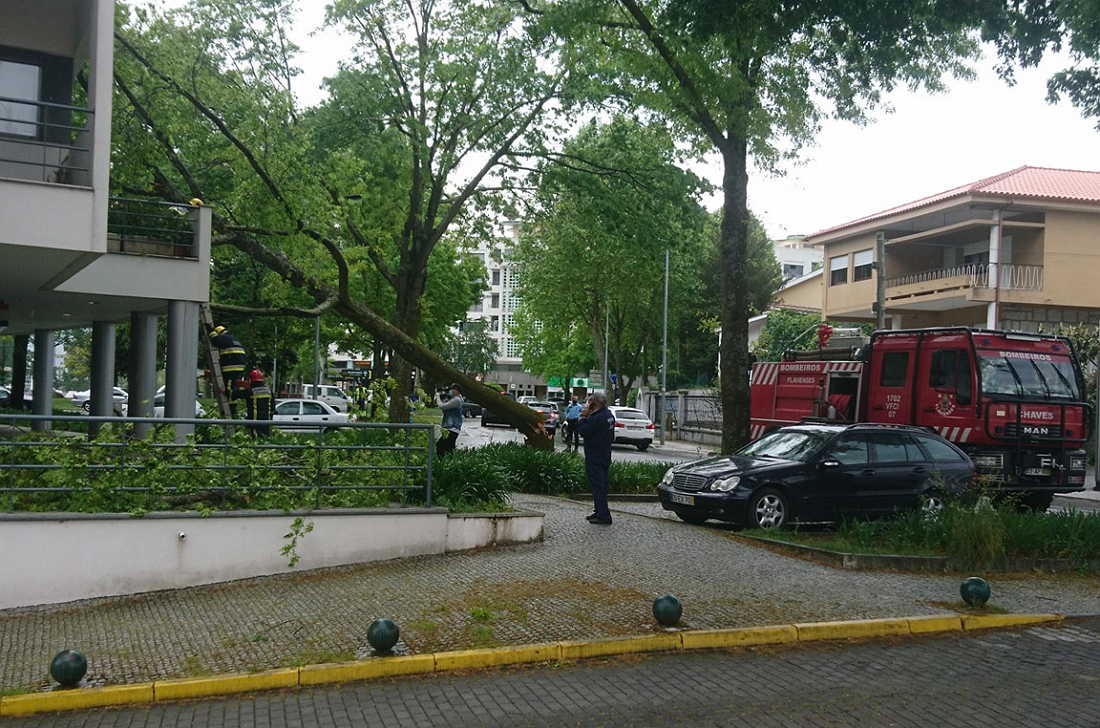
point(51, 558)
point(48, 216)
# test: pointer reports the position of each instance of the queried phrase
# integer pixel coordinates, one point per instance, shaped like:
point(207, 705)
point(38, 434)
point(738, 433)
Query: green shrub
point(975, 537)
point(468, 480)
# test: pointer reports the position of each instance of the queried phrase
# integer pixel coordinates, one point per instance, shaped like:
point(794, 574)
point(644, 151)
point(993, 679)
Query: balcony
point(45, 142)
point(146, 227)
point(961, 285)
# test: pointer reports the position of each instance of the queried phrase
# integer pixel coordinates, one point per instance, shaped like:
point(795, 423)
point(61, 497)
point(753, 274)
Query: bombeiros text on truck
point(1013, 401)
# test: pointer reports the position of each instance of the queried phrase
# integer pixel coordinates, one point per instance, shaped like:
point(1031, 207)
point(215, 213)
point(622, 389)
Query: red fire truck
point(1014, 402)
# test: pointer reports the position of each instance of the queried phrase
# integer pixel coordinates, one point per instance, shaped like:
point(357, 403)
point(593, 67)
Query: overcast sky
point(928, 144)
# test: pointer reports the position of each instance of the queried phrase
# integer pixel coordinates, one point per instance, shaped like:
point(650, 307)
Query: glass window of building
point(838, 270)
point(862, 263)
point(19, 81)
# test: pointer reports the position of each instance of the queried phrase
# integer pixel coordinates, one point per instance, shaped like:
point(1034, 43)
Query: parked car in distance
point(83, 400)
point(331, 395)
point(549, 411)
point(489, 417)
point(5, 394)
point(311, 414)
point(633, 427)
point(819, 472)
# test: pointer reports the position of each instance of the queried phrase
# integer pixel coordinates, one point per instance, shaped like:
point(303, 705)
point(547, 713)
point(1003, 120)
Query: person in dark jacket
point(597, 427)
point(452, 422)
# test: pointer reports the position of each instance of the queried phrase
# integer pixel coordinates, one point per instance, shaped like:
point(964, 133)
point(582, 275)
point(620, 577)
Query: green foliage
point(471, 350)
point(972, 536)
point(528, 470)
point(298, 530)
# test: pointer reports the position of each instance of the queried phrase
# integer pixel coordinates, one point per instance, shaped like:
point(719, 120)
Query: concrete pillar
point(19, 370)
point(880, 280)
point(143, 369)
point(895, 322)
point(102, 372)
point(992, 314)
point(43, 376)
point(183, 355)
point(681, 411)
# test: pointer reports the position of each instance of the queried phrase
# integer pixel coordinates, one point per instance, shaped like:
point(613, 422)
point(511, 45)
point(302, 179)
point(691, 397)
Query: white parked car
point(331, 395)
point(633, 427)
point(158, 406)
point(83, 400)
point(312, 414)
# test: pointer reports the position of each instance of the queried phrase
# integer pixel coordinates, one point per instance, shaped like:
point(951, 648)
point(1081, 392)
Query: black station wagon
point(819, 472)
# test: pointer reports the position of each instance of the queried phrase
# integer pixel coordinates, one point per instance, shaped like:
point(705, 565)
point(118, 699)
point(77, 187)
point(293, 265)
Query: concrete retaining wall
point(59, 557)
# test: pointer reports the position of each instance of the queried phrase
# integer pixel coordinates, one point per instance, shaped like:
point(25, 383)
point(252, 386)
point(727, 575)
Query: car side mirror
point(830, 464)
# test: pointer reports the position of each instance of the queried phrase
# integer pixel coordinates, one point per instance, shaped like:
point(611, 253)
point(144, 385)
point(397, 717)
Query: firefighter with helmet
point(259, 401)
point(232, 358)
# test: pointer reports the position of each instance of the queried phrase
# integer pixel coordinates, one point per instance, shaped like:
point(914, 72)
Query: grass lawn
point(834, 540)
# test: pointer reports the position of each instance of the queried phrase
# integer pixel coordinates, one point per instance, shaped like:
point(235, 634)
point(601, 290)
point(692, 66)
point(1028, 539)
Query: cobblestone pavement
point(1040, 677)
point(584, 581)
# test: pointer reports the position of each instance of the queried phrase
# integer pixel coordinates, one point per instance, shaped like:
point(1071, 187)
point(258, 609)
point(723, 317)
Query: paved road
point(473, 435)
point(1045, 676)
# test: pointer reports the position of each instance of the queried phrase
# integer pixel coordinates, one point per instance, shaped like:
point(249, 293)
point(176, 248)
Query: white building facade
point(497, 308)
point(796, 257)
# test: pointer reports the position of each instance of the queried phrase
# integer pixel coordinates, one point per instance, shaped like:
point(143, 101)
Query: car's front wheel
point(769, 508)
point(1035, 502)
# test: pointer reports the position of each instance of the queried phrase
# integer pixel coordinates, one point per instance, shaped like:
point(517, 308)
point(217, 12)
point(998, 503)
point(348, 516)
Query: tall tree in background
point(592, 250)
point(750, 81)
point(204, 109)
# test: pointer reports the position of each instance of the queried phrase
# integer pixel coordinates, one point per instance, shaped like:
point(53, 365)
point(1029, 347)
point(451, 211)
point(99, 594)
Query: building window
point(19, 81)
point(496, 276)
point(862, 263)
point(792, 270)
point(838, 270)
point(495, 301)
point(476, 308)
point(494, 323)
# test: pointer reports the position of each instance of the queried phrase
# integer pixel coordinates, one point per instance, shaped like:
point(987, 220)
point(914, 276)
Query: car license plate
point(1042, 472)
point(686, 500)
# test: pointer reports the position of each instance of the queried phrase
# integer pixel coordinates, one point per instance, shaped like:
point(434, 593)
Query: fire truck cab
point(1014, 402)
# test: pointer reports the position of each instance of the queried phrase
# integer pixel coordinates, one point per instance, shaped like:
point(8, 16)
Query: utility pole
point(664, 356)
point(880, 280)
point(606, 334)
point(317, 357)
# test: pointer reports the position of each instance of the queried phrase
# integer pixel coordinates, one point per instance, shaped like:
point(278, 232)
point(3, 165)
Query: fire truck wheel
point(1035, 502)
point(768, 508)
point(693, 518)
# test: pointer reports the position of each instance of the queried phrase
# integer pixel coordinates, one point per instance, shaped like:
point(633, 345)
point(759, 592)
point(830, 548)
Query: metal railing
point(219, 455)
point(151, 227)
point(45, 142)
point(977, 275)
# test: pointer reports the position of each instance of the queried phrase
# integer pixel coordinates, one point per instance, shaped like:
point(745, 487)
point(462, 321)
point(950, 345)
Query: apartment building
point(498, 306)
point(1017, 250)
point(71, 255)
point(796, 256)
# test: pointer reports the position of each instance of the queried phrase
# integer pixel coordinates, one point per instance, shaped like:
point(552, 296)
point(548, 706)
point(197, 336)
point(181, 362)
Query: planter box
point(61, 557)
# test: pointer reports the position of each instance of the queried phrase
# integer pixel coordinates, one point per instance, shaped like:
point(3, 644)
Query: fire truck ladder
point(215, 365)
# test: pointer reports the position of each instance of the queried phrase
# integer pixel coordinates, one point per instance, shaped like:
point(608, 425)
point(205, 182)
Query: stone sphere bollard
point(667, 610)
point(68, 667)
point(382, 634)
point(975, 591)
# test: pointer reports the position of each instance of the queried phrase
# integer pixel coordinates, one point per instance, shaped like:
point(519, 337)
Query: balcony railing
point(977, 275)
point(45, 142)
point(150, 227)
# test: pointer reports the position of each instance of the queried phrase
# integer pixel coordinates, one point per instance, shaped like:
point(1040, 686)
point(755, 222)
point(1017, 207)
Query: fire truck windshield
point(1027, 374)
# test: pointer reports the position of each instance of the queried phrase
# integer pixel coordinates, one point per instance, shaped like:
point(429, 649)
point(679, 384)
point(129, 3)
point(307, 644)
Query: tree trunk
point(407, 318)
point(732, 246)
point(19, 371)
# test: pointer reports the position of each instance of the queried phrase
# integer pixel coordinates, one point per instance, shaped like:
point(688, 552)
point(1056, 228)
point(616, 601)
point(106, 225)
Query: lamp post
point(664, 356)
point(317, 357)
point(606, 334)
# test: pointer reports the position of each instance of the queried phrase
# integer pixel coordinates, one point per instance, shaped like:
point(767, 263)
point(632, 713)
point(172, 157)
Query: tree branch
point(278, 310)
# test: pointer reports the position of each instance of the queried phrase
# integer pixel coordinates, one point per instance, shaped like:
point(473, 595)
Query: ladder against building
point(220, 394)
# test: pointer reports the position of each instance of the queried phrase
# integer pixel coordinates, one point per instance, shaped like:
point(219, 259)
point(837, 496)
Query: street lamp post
point(664, 356)
point(606, 334)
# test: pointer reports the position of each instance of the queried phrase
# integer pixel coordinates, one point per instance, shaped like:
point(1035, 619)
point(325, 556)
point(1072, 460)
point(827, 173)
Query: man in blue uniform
point(597, 427)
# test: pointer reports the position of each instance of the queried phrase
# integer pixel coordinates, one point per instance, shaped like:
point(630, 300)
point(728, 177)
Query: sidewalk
point(582, 582)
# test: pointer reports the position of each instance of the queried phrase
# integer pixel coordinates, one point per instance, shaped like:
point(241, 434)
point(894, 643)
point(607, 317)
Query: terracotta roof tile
point(1067, 185)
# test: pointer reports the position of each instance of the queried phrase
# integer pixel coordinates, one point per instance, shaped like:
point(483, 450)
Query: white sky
point(928, 144)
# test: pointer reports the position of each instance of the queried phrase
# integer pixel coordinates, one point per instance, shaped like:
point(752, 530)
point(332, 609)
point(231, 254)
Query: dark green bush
point(469, 480)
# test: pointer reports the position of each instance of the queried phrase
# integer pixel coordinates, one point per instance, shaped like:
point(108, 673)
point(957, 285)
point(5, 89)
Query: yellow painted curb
point(75, 699)
point(989, 621)
point(202, 687)
point(467, 659)
point(743, 637)
point(625, 645)
point(339, 672)
point(860, 628)
point(934, 624)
